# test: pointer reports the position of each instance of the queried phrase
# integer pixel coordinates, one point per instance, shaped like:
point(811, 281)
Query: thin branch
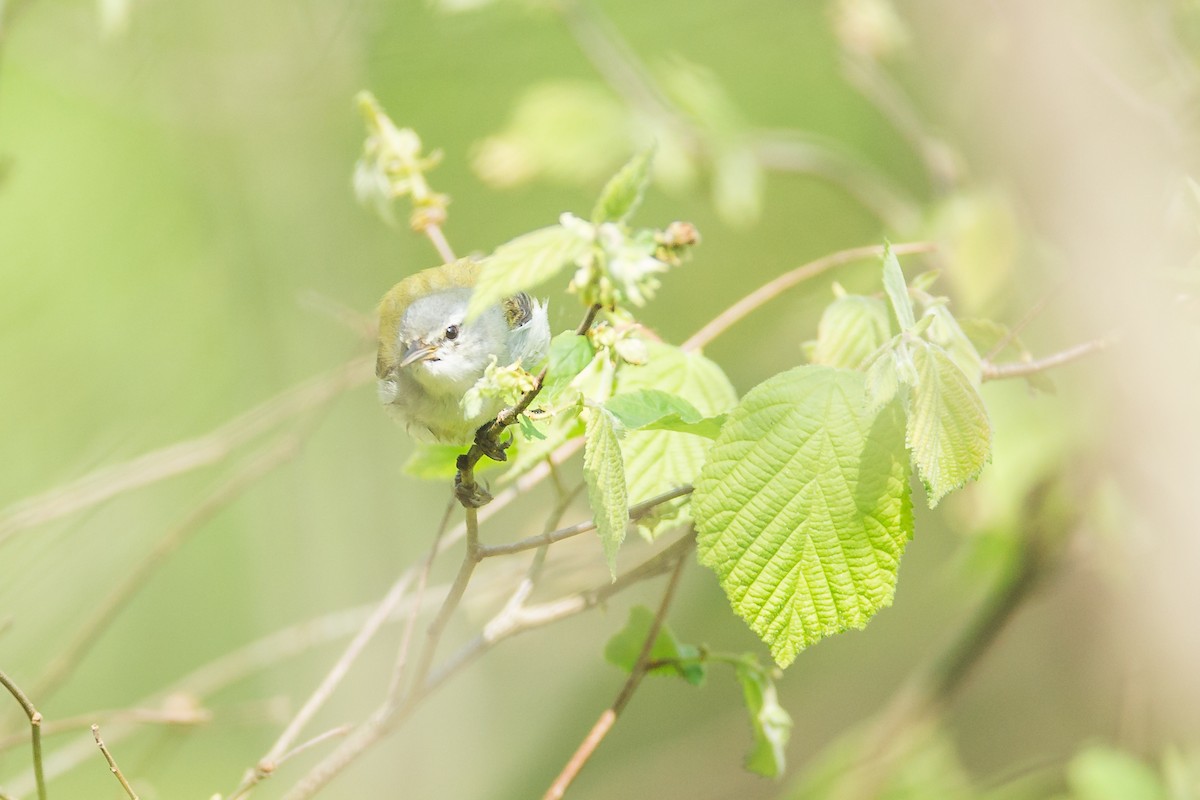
point(510, 622)
point(1014, 331)
point(433, 634)
point(636, 512)
point(152, 716)
point(435, 235)
point(217, 445)
point(385, 719)
point(35, 730)
point(586, 323)
point(401, 664)
point(609, 718)
point(332, 733)
point(112, 764)
point(267, 765)
point(102, 616)
point(769, 291)
point(942, 164)
point(1021, 369)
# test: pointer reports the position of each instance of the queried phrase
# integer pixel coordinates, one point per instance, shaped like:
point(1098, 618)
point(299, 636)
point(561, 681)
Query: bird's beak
point(419, 351)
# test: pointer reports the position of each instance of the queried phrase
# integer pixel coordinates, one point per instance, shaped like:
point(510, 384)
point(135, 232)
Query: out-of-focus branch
point(181, 717)
point(1021, 369)
point(385, 719)
point(108, 482)
point(1045, 528)
point(103, 613)
point(769, 291)
point(782, 151)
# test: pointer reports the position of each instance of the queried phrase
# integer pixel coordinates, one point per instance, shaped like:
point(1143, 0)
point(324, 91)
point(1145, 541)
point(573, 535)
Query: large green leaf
point(948, 429)
point(605, 476)
point(657, 461)
point(524, 263)
point(623, 193)
point(803, 509)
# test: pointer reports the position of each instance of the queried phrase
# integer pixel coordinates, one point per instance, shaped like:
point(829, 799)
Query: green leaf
point(897, 290)
point(882, 380)
point(948, 429)
point(439, 461)
point(623, 649)
point(803, 509)
point(555, 430)
point(738, 186)
point(524, 263)
point(771, 724)
point(570, 354)
point(623, 192)
point(945, 331)
point(657, 461)
point(653, 409)
point(1103, 773)
point(530, 430)
point(852, 329)
point(570, 132)
point(604, 472)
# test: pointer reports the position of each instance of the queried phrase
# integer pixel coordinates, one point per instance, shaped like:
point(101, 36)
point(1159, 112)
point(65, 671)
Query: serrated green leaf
point(948, 429)
point(945, 331)
point(653, 409)
point(882, 381)
point(570, 354)
point(803, 508)
point(771, 724)
point(604, 472)
point(657, 461)
point(897, 290)
point(524, 263)
point(1103, 773)
point(852, 328)
point(623, 649)
point(623, 192)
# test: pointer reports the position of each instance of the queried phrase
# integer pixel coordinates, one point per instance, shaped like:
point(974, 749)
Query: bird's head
point(441, 350)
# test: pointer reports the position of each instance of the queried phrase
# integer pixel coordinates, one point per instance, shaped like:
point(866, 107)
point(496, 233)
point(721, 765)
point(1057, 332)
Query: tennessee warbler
point(430, 354)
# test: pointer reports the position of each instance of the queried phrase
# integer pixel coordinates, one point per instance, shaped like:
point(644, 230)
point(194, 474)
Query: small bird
point(430, 355)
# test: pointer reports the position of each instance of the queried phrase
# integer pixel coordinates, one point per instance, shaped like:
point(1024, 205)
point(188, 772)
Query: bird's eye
point(452, 332)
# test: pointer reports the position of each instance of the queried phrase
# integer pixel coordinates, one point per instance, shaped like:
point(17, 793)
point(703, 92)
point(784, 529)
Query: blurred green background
point(177, 216)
